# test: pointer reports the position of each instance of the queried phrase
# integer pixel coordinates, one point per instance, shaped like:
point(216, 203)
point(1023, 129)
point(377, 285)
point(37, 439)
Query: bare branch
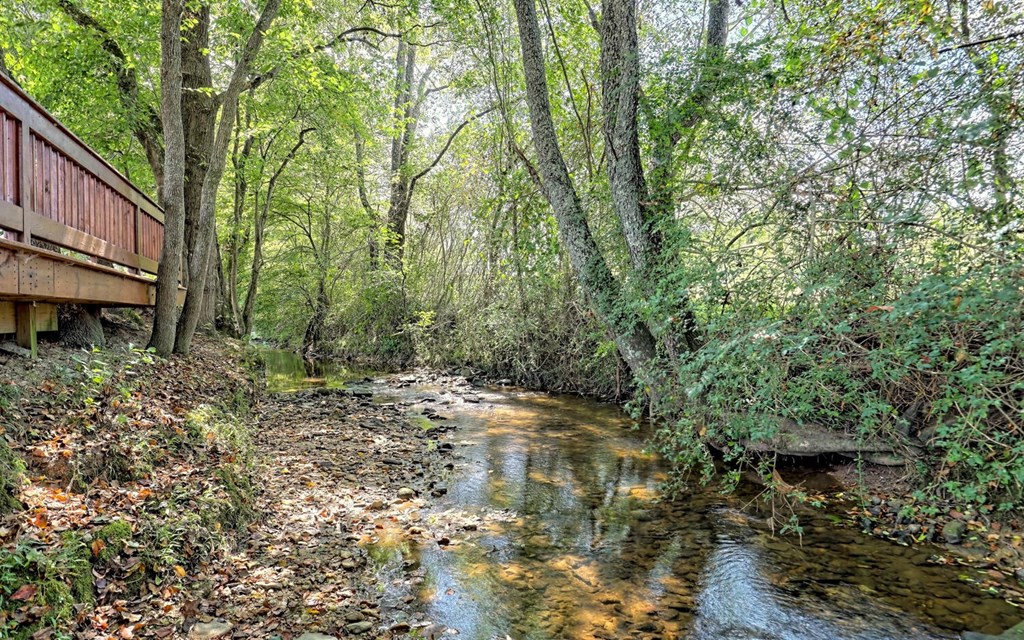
point(447, 145)
point(976, 43)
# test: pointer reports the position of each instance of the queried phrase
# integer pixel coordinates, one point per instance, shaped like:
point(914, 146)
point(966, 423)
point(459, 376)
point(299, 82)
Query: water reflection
point(593, 553)
point(587, 549)
point(287, 371)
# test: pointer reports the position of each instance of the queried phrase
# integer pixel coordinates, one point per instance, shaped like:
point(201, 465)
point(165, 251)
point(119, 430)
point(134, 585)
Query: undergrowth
point(105, 425)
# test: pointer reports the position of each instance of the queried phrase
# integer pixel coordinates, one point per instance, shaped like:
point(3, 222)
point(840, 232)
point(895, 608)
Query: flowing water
point(578, 544)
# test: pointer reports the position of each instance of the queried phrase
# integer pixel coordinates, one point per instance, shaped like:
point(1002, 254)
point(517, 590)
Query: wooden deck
point(102, 235)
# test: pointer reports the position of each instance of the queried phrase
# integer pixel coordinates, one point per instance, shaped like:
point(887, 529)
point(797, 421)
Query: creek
point(578, 542)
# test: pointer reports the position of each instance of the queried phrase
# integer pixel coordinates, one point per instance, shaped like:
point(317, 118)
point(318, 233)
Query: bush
point(938, 371)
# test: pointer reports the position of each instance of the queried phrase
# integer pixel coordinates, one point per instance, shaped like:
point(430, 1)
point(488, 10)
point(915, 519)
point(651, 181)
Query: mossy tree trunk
point(80, 327)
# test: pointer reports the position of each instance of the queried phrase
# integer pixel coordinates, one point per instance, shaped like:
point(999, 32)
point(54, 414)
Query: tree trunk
point(211, 292)
point(620, 94)
point(199, 119)
point(260, 225)
point(633, 340)
point(249, 308)
point(398, 207)
point(165, 315)
point(315, 327)
point(364, 199)
point(239, 159)
point(193, 300)
point(79, 326)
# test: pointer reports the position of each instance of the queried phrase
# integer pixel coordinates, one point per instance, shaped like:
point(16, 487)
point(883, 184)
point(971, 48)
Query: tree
point(198, 267)
point(173, 200)
point(634, 341)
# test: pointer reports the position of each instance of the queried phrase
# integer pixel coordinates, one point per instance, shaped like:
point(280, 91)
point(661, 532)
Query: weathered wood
point(31, 273)
point(76, 240)
point(24, 166)
point(46, 317)
point(11, 216)
point(25, 327)
point(55, 188)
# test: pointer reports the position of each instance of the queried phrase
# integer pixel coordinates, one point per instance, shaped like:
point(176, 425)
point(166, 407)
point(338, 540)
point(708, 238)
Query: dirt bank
point(174, 498)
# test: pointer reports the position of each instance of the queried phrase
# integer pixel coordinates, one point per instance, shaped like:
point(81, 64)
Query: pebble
point(315, 636)
point(953, 531)
point(359, 627)
point(406, 493)
point(209, 630)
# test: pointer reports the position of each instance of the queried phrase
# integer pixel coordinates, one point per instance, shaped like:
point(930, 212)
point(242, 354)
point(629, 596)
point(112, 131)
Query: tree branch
point(146, 124)
point(976, 43)
point(447, 145)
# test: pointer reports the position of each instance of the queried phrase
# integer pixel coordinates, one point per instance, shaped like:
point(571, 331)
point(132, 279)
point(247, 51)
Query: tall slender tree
point(173, 199)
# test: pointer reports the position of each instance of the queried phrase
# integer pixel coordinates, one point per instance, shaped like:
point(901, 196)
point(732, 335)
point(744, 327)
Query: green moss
point(114, 536)
point(62, 577)
point(11, 468)
point(72, 565)
point(420, 421)
point(236, 511)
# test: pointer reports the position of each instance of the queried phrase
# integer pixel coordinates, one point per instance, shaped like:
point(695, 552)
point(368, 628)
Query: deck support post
point(25, 327)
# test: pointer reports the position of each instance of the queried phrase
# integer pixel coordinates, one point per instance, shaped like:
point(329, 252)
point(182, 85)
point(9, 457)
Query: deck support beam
point(25, 327)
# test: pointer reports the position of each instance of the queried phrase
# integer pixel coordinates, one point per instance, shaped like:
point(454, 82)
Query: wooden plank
point(25, 271)
point(25, 327)
point(46, 317)
point(84, 243)
point(8, 247)
point(5, 164)
point(11, 216)
point(24, 163)
point(31, 113)
point(9, 266)
point(35, 276)
point(74, 283)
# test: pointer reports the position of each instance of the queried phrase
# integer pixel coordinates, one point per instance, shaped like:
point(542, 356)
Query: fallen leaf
point(24, 593)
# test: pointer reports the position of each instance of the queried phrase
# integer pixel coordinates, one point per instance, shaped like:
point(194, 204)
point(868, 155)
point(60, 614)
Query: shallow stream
point(576, 542)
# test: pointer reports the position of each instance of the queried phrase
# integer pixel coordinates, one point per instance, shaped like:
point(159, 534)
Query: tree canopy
point(760, 219)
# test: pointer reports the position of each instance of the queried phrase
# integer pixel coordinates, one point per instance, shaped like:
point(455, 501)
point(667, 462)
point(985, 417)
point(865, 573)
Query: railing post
point(25, 170)
point(138, 234)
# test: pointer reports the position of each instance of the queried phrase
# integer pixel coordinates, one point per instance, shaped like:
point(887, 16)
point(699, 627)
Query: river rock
point(1013, 633)
point(406, 493)
point(953, 531)
point(316, 636)
point(359, 627)
point(209, 630)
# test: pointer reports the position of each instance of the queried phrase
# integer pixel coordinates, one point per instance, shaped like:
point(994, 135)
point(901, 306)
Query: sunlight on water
point(590, 551)
point(596, 555)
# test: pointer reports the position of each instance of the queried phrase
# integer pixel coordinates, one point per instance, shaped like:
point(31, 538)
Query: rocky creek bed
point(341, 472)
point(178, 499)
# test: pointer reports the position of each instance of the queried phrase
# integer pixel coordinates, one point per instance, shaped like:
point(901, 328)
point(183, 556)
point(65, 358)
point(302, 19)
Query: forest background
point(780, 220)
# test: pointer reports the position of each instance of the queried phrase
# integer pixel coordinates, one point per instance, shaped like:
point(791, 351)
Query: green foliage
point(54, 581)
point(11, 469)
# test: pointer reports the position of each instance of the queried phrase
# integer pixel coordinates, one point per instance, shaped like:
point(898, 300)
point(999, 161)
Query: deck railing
point(55, 188)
